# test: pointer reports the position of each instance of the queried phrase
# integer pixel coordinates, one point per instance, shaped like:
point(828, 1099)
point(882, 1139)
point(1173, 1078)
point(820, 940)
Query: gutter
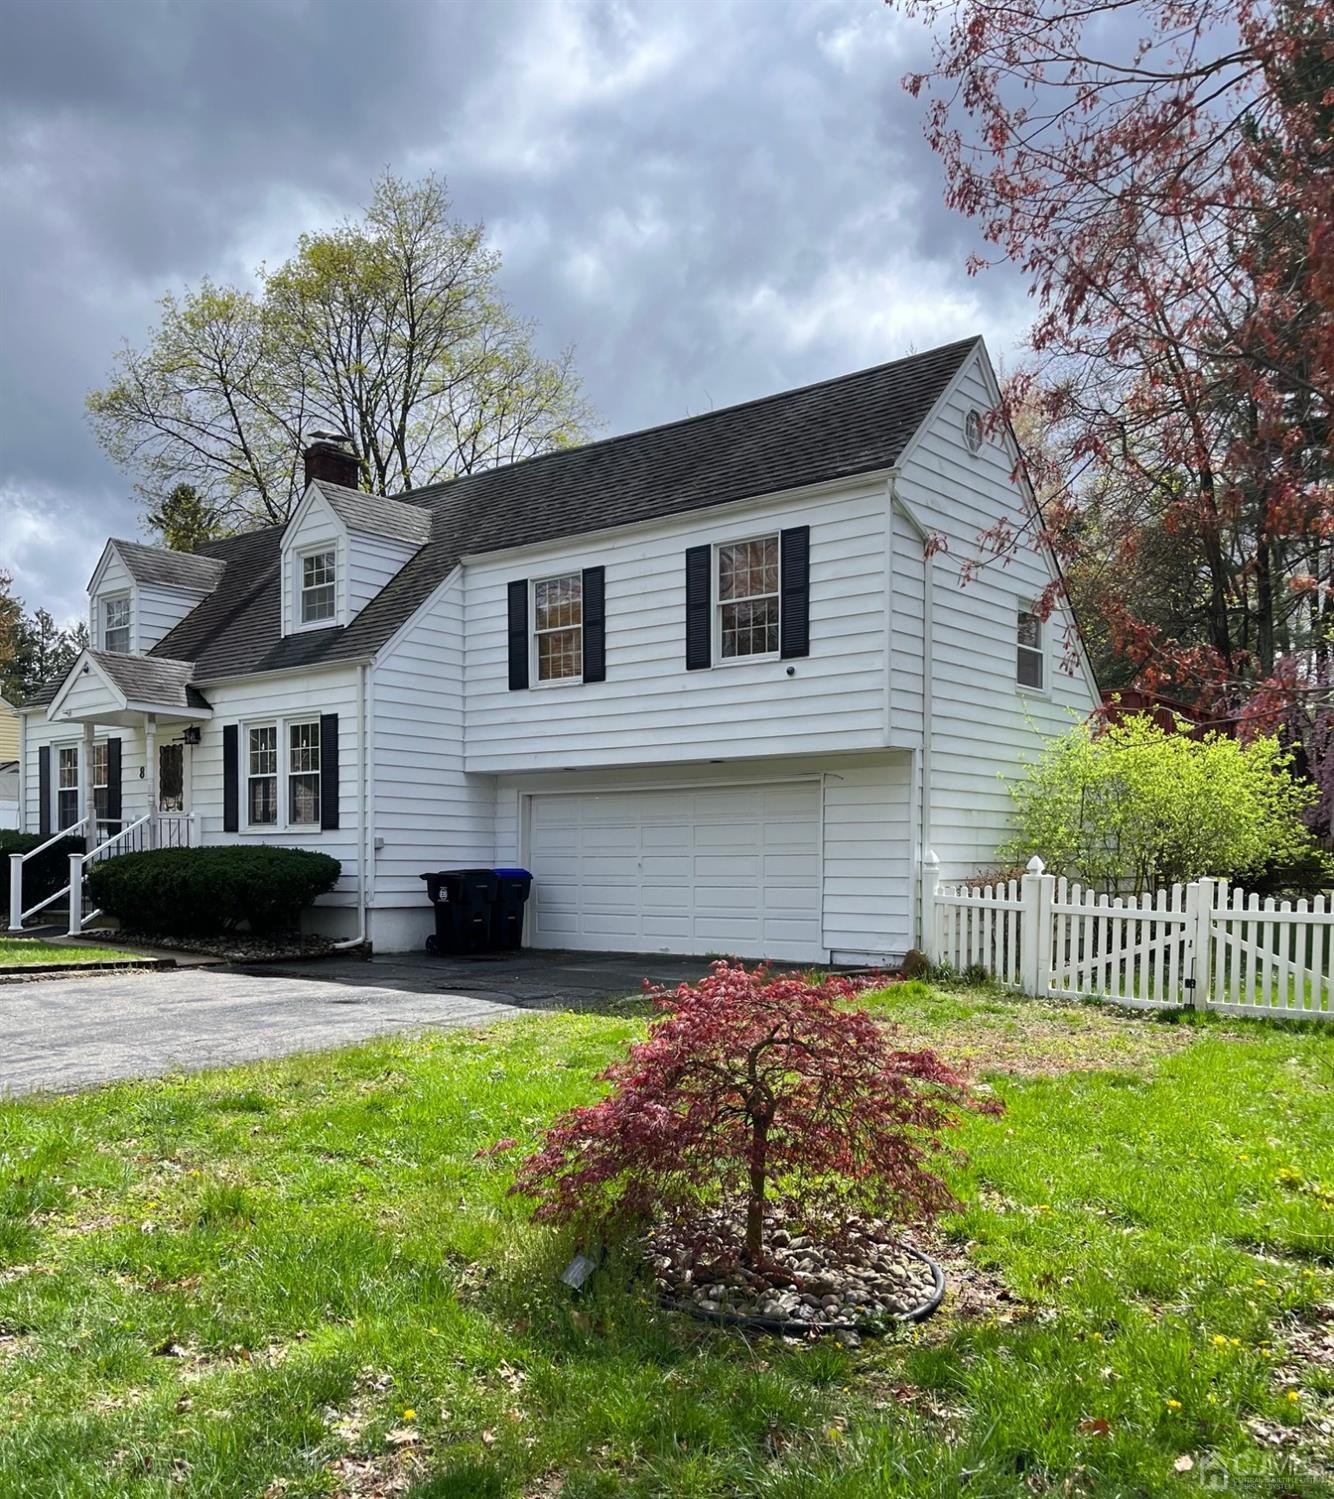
point(928, 667)
point(363, 815)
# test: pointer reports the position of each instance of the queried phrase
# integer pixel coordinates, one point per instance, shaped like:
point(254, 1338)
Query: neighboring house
point(707, 681)
point(9, 766)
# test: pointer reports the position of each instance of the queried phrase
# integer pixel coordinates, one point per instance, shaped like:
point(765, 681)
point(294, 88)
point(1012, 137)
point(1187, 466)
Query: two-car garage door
point(727, 869)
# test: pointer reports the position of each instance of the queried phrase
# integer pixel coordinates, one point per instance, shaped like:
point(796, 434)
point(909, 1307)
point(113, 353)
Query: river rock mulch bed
point(239, 947)
point(852, 1276)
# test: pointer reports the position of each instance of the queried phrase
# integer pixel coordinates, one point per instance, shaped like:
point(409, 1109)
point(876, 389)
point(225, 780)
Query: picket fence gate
point(1202, 945)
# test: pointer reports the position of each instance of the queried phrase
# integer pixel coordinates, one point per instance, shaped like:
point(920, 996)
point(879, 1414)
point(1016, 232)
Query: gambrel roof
point(835, 429)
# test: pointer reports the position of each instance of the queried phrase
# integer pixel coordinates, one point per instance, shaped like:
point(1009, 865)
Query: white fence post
point(75, 894)
point(1034, 933)
point(930, 915)
point(1201, 901)
point(15, 892)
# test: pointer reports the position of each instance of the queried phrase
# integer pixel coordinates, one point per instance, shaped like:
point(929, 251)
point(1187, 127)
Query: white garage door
point(731, 869)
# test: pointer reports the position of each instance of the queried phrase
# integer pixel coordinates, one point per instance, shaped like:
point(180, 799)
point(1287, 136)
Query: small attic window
point(116, 624)
point(972, 430)
point(319, 586)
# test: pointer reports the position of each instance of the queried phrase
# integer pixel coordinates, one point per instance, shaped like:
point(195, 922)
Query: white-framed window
point(101, 779)
point(558, 628)
point(116, 623)
point(1031, 663)
point(68, 811)
point(303, 774)
point(281, 769)
point(261, 780)
point(747, 594)
point(317, 582)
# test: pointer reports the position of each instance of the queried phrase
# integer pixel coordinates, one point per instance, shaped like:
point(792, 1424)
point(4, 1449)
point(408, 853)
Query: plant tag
point(576, 1273)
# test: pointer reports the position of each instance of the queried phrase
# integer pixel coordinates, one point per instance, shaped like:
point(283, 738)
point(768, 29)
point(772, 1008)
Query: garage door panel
point(727, 869)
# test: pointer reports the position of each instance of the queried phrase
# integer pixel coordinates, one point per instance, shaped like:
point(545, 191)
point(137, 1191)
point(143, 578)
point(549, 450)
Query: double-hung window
point(101, 780)
point(262, 775)
point(319, 586)
point(1031, 665)
point(303, 774)
point(67, 785)
point(116, 624)
point(558, 627)
point(748, 606)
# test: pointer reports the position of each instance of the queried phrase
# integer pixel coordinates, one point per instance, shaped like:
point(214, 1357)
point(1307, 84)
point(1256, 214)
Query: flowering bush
point(754, 1090)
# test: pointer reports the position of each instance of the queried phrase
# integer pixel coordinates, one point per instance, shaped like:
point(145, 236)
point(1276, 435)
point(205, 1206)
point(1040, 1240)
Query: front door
point(171, 778)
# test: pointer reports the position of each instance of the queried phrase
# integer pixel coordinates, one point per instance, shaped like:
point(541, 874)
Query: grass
point(298, 1278)
point(15, 952)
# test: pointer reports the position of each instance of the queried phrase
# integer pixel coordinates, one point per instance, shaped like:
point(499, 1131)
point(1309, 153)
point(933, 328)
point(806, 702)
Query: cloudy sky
point(710, 200)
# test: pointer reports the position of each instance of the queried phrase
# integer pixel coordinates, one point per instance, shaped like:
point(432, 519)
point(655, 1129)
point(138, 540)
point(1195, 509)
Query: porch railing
point(17, 914)
point(153, 830)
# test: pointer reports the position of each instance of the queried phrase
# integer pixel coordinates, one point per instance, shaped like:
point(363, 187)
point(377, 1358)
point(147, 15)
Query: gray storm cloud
point(710, 201)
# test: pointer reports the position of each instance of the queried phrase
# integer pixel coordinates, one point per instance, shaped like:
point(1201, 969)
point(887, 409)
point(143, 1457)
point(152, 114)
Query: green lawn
point(298, 1279)
point(17, 951)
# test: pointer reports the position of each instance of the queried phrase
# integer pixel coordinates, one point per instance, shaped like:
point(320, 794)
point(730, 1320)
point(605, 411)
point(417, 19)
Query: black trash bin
point(513, 889)
point(463, 900)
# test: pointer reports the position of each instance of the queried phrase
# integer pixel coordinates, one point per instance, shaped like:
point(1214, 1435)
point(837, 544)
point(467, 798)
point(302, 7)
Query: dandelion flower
point(1173, 1405)
point(409, 1414)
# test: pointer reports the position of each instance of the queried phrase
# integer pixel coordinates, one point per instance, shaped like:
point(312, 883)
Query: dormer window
point(319, 587)
point(116, 624)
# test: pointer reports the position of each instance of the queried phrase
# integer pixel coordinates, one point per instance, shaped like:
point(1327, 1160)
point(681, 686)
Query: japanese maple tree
point(1162, 172)
point(755, 1090)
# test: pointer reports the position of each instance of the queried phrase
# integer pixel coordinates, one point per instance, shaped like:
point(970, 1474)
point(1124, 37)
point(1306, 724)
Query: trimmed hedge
point(43, 875)
point(197, 892)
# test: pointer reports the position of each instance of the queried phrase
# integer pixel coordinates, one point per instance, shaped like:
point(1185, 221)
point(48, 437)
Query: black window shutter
point(328, 770)
point(795, 588)
point(699, 608)
point(518, 634)
point(114, 803)
point(595, 624)
point(44, 790)
point(231, 779)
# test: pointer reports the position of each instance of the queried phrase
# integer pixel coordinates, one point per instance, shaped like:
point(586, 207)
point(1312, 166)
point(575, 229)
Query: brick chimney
point(331, 457)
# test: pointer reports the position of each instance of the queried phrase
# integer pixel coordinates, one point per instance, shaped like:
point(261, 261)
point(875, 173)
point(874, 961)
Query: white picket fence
point(1201, 944)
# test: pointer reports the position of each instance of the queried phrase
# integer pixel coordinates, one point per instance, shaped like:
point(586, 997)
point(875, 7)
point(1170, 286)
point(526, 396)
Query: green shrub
point(196, 892)
point(1133, 806)
point(42, 876)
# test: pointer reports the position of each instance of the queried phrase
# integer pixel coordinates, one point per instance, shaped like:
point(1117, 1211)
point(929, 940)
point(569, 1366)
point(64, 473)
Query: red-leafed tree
point(753, 1090)
point(1161, 171)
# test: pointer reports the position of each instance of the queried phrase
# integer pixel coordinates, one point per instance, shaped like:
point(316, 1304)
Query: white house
point(707, 681)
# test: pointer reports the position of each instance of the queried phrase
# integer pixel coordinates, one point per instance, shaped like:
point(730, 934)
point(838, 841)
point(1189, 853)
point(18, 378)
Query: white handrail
point(17, 915)
point(78, 868)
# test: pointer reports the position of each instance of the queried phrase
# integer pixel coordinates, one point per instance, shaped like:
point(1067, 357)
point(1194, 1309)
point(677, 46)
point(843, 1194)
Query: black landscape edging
point(791, 1325)
point(120, 965)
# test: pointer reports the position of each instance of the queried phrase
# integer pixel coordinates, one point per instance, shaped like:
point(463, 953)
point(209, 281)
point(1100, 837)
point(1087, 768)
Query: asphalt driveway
point(68, 1033)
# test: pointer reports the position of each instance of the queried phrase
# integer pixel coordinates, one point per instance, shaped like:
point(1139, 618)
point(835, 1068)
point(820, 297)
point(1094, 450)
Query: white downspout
point(928, 668)
point(363, 815)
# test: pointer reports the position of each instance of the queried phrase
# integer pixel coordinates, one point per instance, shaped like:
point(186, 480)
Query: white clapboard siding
point(908, 596)
point(158, 610)
point(650, 709)
point(264, 699)
point(428, 813)
point(984, 727)
point(111, 579)
point(372, 562)
point(41, 732)
point(314, 525)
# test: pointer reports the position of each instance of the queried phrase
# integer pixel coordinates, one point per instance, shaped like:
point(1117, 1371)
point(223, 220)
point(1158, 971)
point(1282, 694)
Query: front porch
point(120, 781)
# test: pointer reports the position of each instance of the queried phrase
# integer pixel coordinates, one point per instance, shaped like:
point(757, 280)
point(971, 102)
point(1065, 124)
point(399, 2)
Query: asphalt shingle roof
point(162, 566)
point(835, 429)
point(376, 515)
point(152, 679)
